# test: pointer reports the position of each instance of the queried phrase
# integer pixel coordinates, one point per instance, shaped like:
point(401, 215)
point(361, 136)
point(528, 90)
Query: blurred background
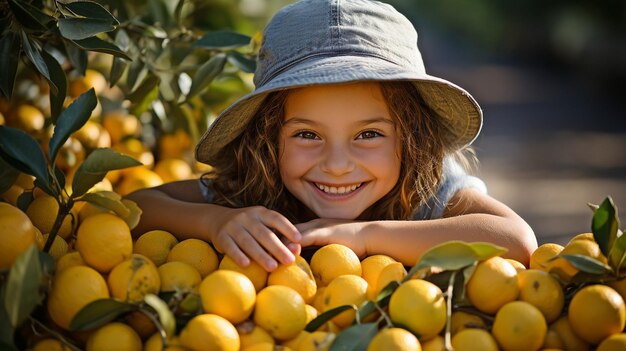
point(551, 79)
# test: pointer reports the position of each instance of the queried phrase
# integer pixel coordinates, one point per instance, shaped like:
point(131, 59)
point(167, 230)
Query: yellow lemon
point(435, 344)
point(199, 254)
point(11, 194)
point(229, 294)
point(419, 305)
point(493, 284)
point(311, 313)
point(173, 169)
point(27, 118)
point(156, 245)
point(90, 209)
point(346, 289)
point(281, 311)
point(393, 272)
point(294, 343)
point(50, 344)
point(59, 246)
point(316, 341)
point(210, 332)
point(595, 312)
point(134, 278)
point(544, 253)
point(474, 339)
point(17, 232)
point(297, 276)
point(580, 246)
point(254, 271)
point(120, 125)
point(138, 178)
point(250, 334)
point(394, 339)
point(615, 342)
point(104, 240)
point(68, 260)
point(518, 325)
point(72, 289)
point(333, 260)
point(519, 266)
point(43, 213)
point(155, 343)
point(569, 338)
point(318, 300)
point(178, 276)
point(114, 336)
point(543, 291)
point(463, 320)
point(371, 268)
point(552, 340)
point(91, 79)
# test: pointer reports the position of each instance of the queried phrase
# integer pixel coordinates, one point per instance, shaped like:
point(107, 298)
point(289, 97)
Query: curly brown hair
point(246, 172)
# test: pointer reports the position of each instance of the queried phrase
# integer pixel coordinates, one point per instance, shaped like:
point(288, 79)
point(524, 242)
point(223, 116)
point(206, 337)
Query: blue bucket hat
point(313, 42)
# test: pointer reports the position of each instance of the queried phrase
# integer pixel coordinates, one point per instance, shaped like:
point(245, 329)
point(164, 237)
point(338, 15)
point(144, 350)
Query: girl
point(345, 140)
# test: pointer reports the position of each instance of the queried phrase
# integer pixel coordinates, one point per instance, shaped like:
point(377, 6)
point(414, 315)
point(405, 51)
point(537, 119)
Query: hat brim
point(457, 109)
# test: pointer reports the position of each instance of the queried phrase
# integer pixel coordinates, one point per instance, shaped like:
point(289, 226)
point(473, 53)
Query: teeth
point(338, 190)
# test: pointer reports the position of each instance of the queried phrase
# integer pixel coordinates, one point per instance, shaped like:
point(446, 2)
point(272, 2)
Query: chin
point(337, 215)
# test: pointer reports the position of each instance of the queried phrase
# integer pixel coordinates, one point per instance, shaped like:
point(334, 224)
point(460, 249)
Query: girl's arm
point(470, 216)
point(241, 233)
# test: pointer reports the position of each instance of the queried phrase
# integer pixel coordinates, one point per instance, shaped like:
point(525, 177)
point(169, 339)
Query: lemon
point(543, 254)
point(596, 312)
point(50, 344)
point(250, 334)
point(254, 271)
point(70, 259)
point(281, 311)
point(114, 336)
point(173, 169)
point(199, 254)
point(543, 291)
point(474, 339)
point(333, 260)
point(393, 272)
point(297, 276)
point(155, 245)
point(104, 240)
point(518, 325)
point(568, 337)
point(462, 320)
point(371, 268)
point(519, 266)
point(394, 339)
point(493, 284)
point(17, 232)
point(228, 294)
point(316, 341)
point(419, 306)
point(59, 246)
point(72, 289)
point(345, 290)
point(43, 213)
point(615, 342)
point(209, 332)
point(178, 276)
point(435, 344)
point(133, 279)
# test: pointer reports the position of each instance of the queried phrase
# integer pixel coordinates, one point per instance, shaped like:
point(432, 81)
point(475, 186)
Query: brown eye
point(369, 134)
point(306, 135)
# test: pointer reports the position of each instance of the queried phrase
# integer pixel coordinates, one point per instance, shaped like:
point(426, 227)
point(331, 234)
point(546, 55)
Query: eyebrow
point(301, 120)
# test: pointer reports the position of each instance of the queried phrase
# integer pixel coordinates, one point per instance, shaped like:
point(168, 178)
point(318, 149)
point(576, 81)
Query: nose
point(337, 159)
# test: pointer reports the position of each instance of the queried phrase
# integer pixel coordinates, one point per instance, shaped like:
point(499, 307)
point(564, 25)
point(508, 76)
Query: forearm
point(408, 240)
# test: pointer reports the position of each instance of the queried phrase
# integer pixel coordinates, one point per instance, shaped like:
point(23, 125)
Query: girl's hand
point(256, 233)
point(322, 231)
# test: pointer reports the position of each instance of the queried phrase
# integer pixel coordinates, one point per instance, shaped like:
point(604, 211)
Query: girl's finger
point(253, 249)
point(230, 248)
point(281, 225)
point(271, 243)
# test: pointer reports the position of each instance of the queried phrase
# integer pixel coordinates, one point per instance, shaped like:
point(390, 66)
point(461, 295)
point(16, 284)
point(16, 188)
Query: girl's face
point(339, 149)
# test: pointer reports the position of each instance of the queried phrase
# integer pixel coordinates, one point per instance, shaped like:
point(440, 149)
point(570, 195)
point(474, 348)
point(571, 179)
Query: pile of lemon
point(227, 307)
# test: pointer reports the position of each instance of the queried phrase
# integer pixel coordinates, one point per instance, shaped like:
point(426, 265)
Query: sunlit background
point(551, 79)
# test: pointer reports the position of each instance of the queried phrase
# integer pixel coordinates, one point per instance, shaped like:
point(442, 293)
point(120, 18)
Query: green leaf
point(96, 165)
point(318, 321)
point(22, 294)
point(58, 89)
point(82, 28)
point(386, 292)
point(71, 120)
point(587, 264)
point(451, 255)
point(34, 56)
point(206, 73)
point(355, 337)
point(485, 250)
point(29, 16)
point(244, 63)
point(165, 314)
point(137, 71)
point(98, 313)
point(23, 153)
point(6, 330)
point(134, 215)
point(147, 85)
point(99, 45)
point(76, 55)
point(107, 203)
point(222, 40)
point(605, 224)
point(9, 47)
point(90, 9)
point(8, 175)
point(617, 255)
point(144, 102)
point(367, 308)
point(119, 65)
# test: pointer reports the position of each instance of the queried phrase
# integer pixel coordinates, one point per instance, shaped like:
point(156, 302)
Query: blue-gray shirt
point(454, 179)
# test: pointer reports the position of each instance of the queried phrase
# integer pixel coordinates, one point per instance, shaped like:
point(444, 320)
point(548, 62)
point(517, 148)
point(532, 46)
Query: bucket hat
point(313, 42)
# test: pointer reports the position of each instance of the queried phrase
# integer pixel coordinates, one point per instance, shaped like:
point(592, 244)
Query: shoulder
point(454, 178)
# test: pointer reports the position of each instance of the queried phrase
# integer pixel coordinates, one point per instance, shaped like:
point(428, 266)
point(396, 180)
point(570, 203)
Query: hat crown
point(313, 28)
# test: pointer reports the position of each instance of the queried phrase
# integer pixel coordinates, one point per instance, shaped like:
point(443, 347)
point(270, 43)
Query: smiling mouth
point(338, 190)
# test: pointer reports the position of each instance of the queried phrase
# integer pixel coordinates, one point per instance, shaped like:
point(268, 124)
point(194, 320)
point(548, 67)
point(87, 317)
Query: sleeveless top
point(454, 178)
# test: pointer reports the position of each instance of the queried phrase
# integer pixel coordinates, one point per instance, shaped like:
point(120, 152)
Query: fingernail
point(271, 265)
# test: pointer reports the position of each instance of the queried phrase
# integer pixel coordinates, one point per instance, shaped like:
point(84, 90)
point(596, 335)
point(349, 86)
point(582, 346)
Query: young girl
point(345, 140)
